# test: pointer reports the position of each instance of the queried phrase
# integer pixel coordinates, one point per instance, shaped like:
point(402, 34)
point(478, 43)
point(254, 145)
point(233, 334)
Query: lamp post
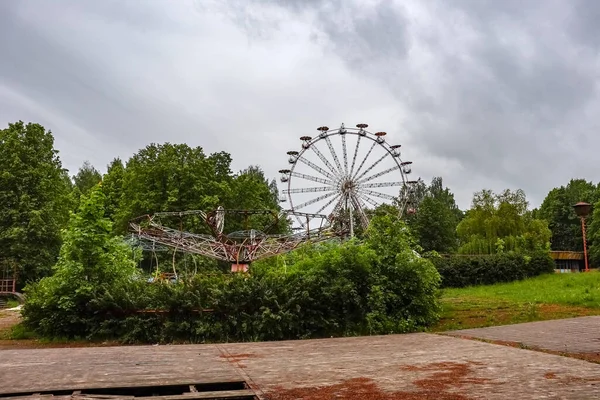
point(583, 210)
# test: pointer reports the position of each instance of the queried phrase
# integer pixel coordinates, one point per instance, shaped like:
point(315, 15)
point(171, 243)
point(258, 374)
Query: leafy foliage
point(377, 285)
point(436, 219)
point(329, 290)
point(175, 177)
point(34, 200)
point(172, 177)
point(112, 187)
point(461, 271)
point(557, 209)
point(405, 284)
point(501, 222)
point(87, 177)
point(93, 266)
point(251, 190)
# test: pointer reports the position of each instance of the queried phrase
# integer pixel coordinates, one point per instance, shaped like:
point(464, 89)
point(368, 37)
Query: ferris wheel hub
point(348, 186)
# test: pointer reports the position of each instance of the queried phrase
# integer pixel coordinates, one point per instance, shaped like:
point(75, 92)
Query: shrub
point(461, 271)
point(339, 290)
point(92, 267)
point(330, 290)
point(406, 285)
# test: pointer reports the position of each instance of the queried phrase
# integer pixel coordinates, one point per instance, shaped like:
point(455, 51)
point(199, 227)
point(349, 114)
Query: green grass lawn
point(545, 297)
point(12, 303)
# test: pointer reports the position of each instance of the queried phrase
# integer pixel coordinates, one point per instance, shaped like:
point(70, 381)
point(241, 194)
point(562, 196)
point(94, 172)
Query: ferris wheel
point(346, 171)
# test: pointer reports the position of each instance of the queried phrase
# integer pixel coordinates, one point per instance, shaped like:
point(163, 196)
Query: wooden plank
point(394, 363)
point(46, 370)
point(223, 394)
point(244, 394)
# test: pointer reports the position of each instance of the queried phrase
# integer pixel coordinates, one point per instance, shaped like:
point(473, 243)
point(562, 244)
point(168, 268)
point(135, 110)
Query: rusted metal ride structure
point(239, 247)
point(351, 185)
point(8, 280)
point(8, 284)
point(348, 177)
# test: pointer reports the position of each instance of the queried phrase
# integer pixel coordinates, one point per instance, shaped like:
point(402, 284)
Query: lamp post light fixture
point(582, 210)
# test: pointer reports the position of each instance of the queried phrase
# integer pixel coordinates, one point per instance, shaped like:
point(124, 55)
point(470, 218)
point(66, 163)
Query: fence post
point(14, 282)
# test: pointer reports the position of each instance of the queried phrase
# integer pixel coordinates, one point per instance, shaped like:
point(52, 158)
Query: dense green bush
point(92, 266)
point(461, 271)
point(379, 286)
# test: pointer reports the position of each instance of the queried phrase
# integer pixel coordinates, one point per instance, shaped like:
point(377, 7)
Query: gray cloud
point(487, 94)
point(495, 87)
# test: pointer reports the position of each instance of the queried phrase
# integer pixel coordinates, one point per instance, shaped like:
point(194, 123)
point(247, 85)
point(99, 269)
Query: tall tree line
point(37, 196)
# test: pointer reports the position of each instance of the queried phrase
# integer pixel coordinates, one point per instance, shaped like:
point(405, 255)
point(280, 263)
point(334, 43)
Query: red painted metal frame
point(583, 209)
point(585, 257)
point(9, 285)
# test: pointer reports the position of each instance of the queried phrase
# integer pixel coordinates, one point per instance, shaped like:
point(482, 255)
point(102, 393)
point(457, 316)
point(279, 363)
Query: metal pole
point(584, 244)
point(351, 218)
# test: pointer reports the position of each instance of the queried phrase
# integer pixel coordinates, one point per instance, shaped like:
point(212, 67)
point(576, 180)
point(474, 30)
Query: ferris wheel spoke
point(317, 168)
point(312, 178)
point(334, 154)
point(373, 165)
point(382, 184)
point(369, 200)
point(360, 208)
point(320, 210)
point(355, 154)
point(313, 147)
point(377, 175)
point(345, 154)
point(365, 159)
point(378, 194)
point(338, 205)
point(315, 200)
point(308, 190)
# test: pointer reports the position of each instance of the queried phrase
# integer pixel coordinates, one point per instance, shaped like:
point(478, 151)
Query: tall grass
point(578, 289)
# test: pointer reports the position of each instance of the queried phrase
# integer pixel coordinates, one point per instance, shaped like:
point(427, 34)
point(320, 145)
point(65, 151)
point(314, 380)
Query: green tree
point(87, 177)
point(93, 265)
point(436, 219)
point(501, 222)
point(557, 210)
point(112, 187)
point(173, 177)
point(251, 190)
point(34, 200)
point(405, 284)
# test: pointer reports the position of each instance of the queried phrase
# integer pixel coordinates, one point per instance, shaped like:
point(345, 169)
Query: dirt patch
point(447, 375)
point(567, 379)
point(8, 319)
point(444, 383)
point(480, 313)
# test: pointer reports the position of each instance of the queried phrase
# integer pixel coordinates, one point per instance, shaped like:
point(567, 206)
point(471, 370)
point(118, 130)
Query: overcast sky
point(487, 94)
